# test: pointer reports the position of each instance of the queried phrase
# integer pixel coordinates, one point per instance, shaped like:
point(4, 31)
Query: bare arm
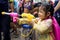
point(57, 7)
point(12, 7)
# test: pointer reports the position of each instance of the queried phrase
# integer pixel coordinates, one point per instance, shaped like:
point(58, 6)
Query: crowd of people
point(42, 15)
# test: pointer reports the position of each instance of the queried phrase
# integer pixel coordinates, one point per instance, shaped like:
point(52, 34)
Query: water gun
point(13, 15)
point(15, 18)
point(28, 16)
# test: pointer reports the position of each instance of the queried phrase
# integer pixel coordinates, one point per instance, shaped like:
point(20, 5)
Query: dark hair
point(48, 8)
point(37, 4)
point(26, 8)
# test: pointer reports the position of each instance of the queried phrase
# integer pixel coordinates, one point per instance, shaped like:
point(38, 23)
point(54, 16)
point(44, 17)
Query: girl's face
point(26, 10)
point(41, 13)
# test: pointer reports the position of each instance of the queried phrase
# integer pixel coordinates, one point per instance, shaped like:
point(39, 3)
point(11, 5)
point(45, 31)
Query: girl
point(25, 24)
point(43, 27)
point(57, 11)
point(27, 14)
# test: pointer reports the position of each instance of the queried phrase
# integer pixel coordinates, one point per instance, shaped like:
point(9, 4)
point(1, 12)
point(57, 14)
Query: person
point(57, 11)
point(25, 23)
point(27, 3)
point(57, 7)
point(4, 21)
point(16, 5)
point(35, 9)
point(43, 24)
point(21, 7)
point(11, 5)
point(27, 14)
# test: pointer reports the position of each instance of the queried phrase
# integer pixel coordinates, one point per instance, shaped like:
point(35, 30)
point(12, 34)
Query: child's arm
point(42, 27)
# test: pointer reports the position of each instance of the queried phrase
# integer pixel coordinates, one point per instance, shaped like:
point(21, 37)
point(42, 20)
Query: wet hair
point(47, 7)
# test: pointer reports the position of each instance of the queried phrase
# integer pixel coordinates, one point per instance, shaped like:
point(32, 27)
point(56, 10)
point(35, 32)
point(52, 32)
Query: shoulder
point(31, 15)
point(23, 14)
point(49, 20)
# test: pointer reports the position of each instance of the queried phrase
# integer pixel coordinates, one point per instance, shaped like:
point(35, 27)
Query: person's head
point(26, 10)
point(45, 10)
point(35, 11)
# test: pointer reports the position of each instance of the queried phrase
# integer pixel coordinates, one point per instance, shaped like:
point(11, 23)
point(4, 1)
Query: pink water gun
point(13, 15)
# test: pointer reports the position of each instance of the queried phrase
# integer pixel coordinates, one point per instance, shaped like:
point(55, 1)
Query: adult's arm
point(57, 7)
point(11, 5)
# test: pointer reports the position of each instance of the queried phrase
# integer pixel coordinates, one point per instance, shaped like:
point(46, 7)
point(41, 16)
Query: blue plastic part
point(26, 26)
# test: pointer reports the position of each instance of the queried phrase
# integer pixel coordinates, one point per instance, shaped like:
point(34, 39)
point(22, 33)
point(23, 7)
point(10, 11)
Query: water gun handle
point(13, 15)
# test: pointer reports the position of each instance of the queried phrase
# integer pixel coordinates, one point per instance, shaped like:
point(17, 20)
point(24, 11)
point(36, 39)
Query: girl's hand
point(36, 21)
